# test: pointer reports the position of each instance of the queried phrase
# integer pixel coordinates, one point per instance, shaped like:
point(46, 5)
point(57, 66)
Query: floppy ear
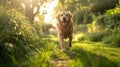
point(70, 14)
point(57, 17)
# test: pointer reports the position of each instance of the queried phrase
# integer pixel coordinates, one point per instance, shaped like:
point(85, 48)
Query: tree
point(73, 5)
point(30, 7)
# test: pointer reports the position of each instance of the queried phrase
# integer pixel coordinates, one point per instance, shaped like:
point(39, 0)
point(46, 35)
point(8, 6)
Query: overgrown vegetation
point(17, 37)
point(110, 23)
point(96, 41)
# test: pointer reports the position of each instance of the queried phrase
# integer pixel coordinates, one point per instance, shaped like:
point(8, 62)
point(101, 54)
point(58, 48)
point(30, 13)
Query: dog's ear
point(70, 14)
point(57, 17)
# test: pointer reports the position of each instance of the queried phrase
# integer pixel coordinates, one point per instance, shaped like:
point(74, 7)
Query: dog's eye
point(61, 15)
point(66, 14)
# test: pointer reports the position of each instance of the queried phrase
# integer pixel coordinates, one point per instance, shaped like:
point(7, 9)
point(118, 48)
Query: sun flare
point(49, 8)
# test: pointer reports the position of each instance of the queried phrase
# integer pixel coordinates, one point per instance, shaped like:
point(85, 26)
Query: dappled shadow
point(88, 59)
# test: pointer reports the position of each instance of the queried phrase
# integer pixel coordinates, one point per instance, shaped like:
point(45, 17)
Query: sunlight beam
point(49, 7)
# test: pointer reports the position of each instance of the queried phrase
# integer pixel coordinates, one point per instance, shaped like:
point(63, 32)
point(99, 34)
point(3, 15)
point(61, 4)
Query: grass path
point(86, 54)
point(82, 54)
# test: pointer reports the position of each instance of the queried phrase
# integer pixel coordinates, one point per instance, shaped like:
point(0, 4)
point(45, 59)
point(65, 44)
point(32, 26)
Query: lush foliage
point(82, 17)
point(16, 38)
point(96, 38)
point(24, 7)
point(83, 10)
point(102, 6)
point(110, 21)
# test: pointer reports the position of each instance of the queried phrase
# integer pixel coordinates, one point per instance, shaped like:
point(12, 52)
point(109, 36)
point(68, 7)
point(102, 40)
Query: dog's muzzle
point(64, 21)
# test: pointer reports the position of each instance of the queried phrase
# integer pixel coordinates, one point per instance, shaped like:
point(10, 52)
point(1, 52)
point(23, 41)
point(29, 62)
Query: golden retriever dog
point(64, 28)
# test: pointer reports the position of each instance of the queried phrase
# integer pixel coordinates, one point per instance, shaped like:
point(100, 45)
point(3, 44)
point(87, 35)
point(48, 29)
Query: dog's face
point(64, 17)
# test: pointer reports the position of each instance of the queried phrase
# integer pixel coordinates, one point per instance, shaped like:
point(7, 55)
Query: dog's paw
point(68, 48)
point(63, 49)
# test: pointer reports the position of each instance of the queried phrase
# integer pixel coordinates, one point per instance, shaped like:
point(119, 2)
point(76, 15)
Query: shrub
point(38, 23)
point(112, 39)
point(110, 21)
point(16, 36)
point(38, 28)
point(78, 16)
point(46, 27)
point(100, 6)
point(107, 39)
point(95, 36)
point(88, 17)
point(82, 38)
point(116, 40)
point(81, 28)
point(83, 16)
point(110, 24)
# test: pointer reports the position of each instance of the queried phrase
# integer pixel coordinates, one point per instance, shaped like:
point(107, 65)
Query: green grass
point(97, 55)
point(82, 54)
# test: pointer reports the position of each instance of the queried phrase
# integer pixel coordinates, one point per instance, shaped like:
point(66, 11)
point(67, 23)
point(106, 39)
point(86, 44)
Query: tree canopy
point(30, 8)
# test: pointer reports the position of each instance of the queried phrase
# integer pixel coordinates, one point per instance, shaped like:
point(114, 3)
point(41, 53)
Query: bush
point(95, 36)
point(101, 6)
point(82, 38)
point(88, 18)
point(81, 28)
point(38, 28)
point(38, 23)
point(78, 16)
point(107, 39)
point(110, 24)
point(46, 27)
point(110, 21)
point(16, 37)
point(116, 40)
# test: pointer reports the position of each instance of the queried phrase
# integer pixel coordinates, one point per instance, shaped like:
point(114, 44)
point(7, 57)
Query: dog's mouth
point(64, 23)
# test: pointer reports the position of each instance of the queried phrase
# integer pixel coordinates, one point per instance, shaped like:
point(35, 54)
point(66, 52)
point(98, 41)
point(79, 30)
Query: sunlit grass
point(77, 36)
point(100, 49)
point(82, 54)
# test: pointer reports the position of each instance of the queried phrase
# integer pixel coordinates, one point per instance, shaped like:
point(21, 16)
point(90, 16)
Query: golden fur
point(65, 27)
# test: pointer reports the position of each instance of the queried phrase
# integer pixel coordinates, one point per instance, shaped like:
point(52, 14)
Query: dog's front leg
point(70, 41)
point(61, 41)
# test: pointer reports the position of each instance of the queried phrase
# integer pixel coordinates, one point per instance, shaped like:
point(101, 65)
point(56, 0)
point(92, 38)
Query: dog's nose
point(64, 19)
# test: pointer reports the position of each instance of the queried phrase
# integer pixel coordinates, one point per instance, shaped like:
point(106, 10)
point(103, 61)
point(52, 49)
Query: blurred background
point(28, 29)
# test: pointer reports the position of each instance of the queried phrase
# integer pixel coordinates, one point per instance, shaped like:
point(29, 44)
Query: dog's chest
point(66, 31)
